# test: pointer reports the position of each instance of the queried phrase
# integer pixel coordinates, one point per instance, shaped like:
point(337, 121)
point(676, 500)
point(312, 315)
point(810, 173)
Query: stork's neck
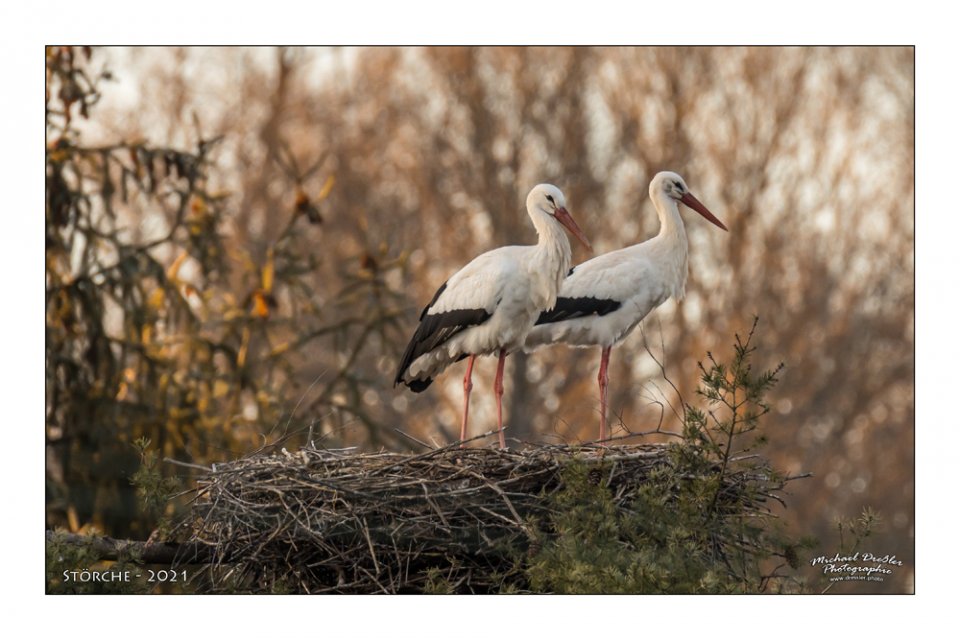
point(551, 257)
point(671, 244)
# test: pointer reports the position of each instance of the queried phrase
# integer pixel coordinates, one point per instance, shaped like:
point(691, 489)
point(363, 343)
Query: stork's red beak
point(697, 206)
point(563, 216)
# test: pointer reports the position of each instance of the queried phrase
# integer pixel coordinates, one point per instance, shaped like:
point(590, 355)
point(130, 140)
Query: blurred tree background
point(239, 242)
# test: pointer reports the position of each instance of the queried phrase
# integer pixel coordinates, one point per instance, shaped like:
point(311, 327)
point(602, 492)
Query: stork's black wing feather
point(433, 331)
point(570, 308)
point(435, 297)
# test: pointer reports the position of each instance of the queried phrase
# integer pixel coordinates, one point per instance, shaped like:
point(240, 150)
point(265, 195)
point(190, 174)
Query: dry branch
point(107, 548)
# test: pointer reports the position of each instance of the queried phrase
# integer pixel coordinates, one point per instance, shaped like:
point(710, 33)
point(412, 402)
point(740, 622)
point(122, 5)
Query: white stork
point(603, 299)
point(490, 304)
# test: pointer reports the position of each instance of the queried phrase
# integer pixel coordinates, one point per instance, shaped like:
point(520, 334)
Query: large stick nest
point(337, 521)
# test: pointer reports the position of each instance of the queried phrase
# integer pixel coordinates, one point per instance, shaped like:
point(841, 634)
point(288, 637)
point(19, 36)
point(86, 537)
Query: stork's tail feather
point(419, 385)
point(414, 385)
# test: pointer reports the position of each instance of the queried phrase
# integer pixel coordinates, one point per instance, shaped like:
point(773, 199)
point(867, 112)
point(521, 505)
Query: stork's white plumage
point(603, 299)
point(490, 304)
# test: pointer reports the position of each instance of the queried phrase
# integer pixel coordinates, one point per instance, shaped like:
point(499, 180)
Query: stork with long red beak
point(603, 299)
point(490, 304)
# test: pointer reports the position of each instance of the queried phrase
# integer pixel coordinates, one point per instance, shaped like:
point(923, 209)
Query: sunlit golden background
point(271, 296)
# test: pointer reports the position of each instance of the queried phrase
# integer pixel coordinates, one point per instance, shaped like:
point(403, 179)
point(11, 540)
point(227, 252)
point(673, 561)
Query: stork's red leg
point(467, 386)
point(603, 380)
point(498, 390)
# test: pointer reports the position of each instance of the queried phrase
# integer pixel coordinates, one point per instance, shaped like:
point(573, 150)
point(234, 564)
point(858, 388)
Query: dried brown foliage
point(163, 324)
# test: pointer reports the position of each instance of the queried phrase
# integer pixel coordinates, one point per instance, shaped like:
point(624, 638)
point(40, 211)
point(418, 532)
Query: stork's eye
point(550, 198)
